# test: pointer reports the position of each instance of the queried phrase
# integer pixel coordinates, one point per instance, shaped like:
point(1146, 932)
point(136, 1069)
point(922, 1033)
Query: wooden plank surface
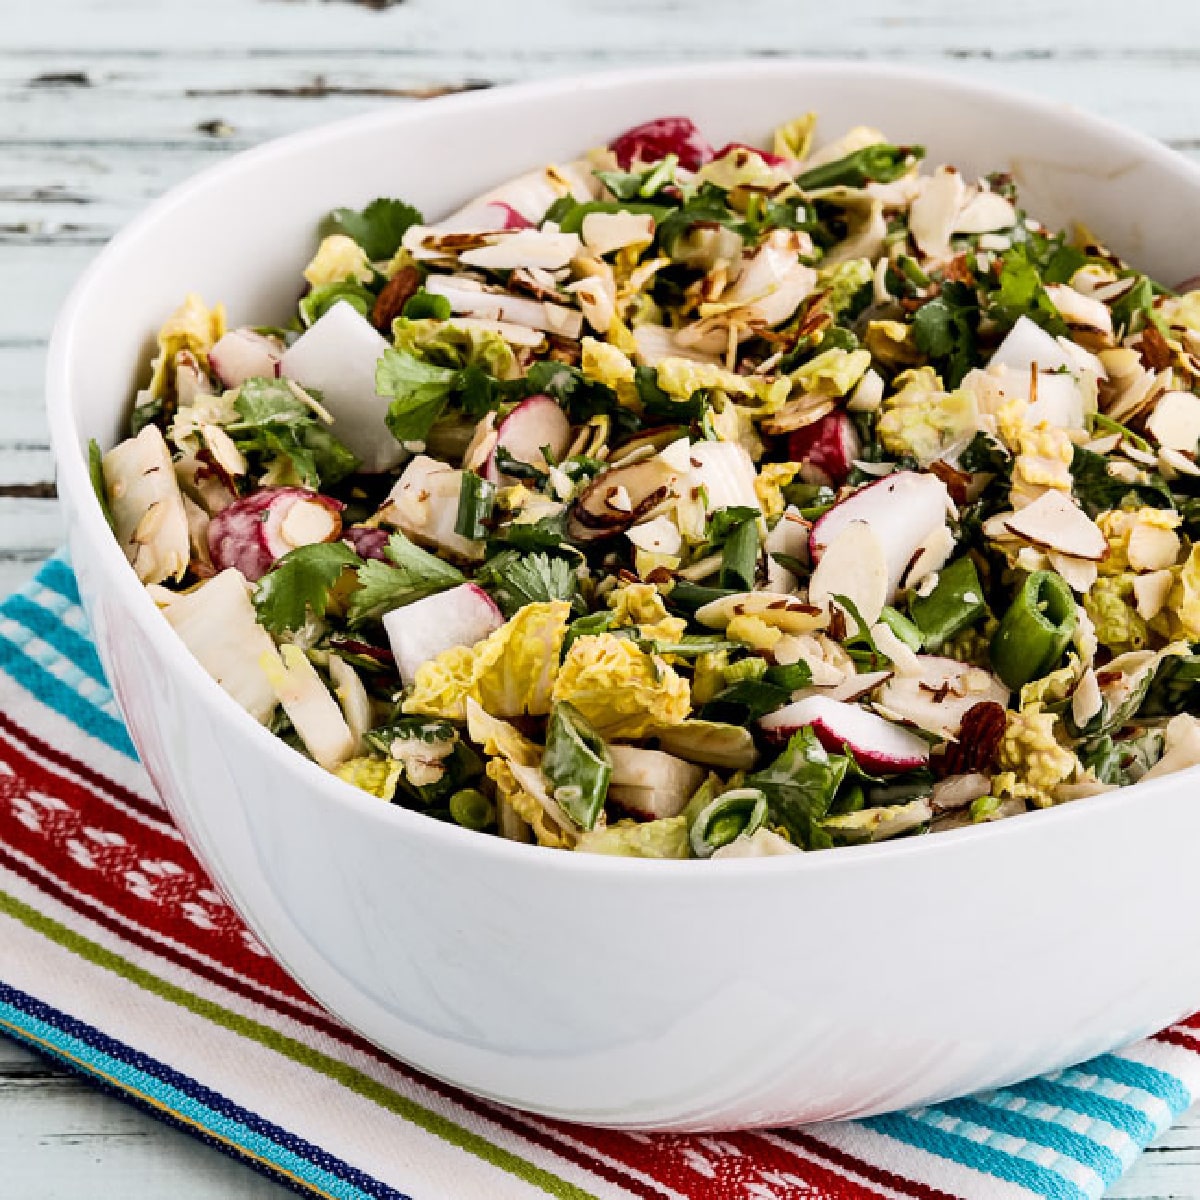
point(106, 103)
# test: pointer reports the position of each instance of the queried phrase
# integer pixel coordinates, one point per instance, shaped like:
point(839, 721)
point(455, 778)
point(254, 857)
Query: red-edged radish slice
point(536, 424)
point(940, 696)
point(424, 504)
point(877, 745)
point(854, 564)
point(529, 195)
point(654, 140)
point(424, 629)
point(827, 448)
point(243, 354)
point(903, 510)
point(650, 783)
point(252, 533)
point(487, 217)
point(338, 357)
point(850, 687)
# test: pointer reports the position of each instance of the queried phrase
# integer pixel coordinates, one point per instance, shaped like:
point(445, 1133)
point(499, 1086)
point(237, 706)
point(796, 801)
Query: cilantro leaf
point(274, 423)
point(412, 575)
point(1135, 309)
point(516, 579)
point(800, 786)
point(944, 329)
point(421, 392)
point(1021, 293)
point(422, 305)
point(1099, 490)
point(300, 583)
point(378, 228)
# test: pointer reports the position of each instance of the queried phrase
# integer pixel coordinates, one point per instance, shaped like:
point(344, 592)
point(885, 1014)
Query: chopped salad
point(683, 502)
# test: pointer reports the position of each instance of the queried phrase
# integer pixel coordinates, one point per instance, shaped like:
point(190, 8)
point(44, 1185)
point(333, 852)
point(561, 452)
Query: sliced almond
point(935, 211)
point(1080, 573)
point(1053, 522)
point(1152, 548)
point(1150, 593)
point(1175, 422)
point(308, 522)
point(853, 565)
point(985, 212)
point(786, 613)
point(605, 232)
point(931, 556)
point(524, 248)
point(1084, 312)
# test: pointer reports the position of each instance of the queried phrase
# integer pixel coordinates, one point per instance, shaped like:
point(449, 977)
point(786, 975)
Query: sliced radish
point(535, 425)
point(243, 354)
point(338, 356)
point(877, 745)
point(424, 504)
point(541, 248)
point(726, 472)
point(469, 297)
point(1054, 522)
point(254, 532)
point(529, 195)
point(854, 564)
point(650, 783)
point(654, 140)
point(849, 687)
point(903, 510)
point(827, 448)
point(483, 217)
point(1027, 345)
point(941, 694)
point(424, 629)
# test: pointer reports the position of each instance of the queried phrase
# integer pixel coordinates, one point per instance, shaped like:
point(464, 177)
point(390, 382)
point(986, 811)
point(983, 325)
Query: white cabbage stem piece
point(310, 706)
point(217, 624)
point(147, 506)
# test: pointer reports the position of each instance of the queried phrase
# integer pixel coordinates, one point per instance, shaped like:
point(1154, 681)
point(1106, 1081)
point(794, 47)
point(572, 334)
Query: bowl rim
point(75, 488)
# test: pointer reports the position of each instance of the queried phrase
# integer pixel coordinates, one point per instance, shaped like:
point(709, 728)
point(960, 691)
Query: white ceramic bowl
point(620, 992)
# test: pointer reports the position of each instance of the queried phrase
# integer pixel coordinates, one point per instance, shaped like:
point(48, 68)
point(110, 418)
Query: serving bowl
point(620, 992)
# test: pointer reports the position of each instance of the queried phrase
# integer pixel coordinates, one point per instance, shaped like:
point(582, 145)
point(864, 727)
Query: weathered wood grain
point(101, 1149)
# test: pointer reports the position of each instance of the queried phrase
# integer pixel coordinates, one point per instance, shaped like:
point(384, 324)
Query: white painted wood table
point(105, 103)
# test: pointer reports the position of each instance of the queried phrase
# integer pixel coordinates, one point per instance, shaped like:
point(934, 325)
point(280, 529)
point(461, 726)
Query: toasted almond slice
point(931, 556)
point(1053, 522)
point(853, 565)
point(985, 212)
point(1175, 422)
point(1152, 548)
point(786, 613)
point(1079, 573)
point(1150, 592)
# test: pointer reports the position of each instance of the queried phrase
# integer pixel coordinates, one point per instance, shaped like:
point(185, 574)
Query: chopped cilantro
point(411, 575)
point(299, 585)
point(378, 229)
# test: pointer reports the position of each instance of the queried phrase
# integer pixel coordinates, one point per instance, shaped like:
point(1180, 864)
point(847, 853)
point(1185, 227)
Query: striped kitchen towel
point(120, 959)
